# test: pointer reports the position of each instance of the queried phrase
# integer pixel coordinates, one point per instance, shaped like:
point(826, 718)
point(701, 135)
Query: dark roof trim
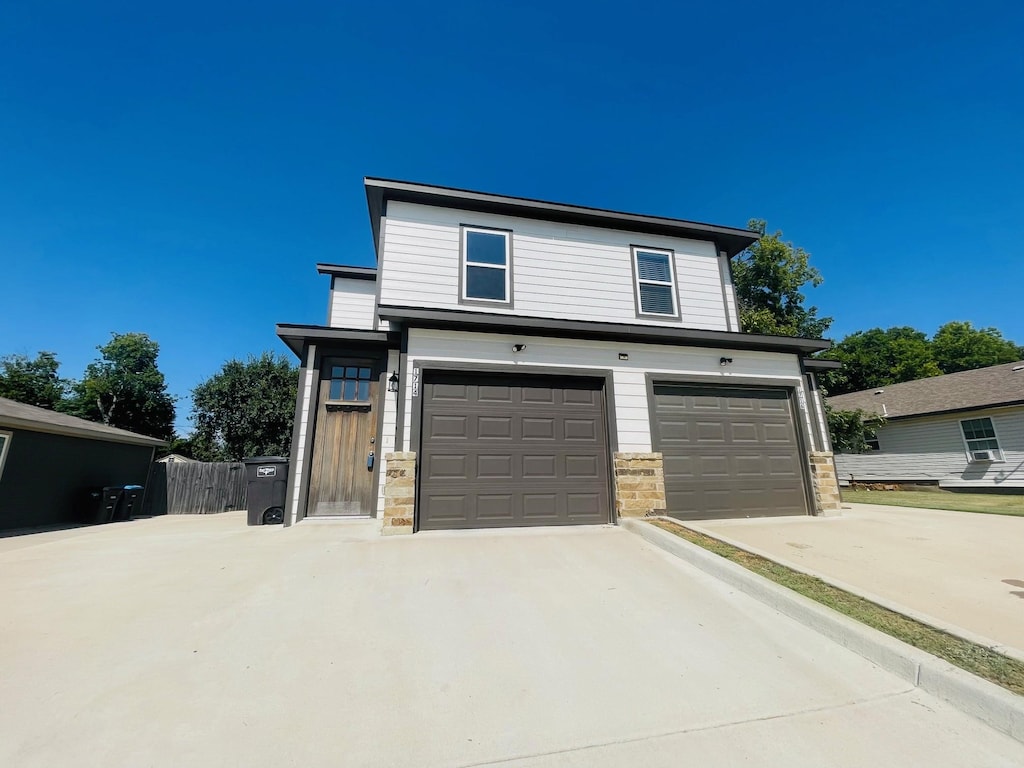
point(816, 364)
point(644, 334)
point(732, 240)
point(341, 270)
point(33, 419)
point(294, 336)
point(949, 411)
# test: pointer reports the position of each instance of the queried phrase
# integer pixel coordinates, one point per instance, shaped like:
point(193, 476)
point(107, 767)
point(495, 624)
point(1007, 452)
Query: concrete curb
point(924, 618)
point(979, 698)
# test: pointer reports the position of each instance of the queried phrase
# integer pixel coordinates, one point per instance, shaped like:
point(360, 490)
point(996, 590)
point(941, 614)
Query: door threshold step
point(336, 519)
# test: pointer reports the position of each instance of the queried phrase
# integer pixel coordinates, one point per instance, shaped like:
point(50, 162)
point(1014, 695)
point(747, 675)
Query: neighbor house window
point(486, 262)
point(655, 282)
point(350, 383)
point(980, 435)
point(5, 442)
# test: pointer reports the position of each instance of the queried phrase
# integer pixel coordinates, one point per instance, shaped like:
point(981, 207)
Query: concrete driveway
point(959, 570)
point(195, 641)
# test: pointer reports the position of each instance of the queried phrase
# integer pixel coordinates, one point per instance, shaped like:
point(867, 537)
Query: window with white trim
point(5, 443)
point(486, 257)
point(655, 282)
point(980, 435)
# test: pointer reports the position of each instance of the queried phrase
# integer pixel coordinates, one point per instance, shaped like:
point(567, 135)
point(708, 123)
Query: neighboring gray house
point(48, 458)
point(513, 362)
point(962, 430)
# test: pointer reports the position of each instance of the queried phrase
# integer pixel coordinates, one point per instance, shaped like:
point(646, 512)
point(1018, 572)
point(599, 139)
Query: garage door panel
point(534, 428)
point(495, 507)
point(742, 458)
point(442, 426)
point(489, 393)
point(583, 467)
point(542, 506)
point(540, 467)
point(536, 446)
point(539, 395)
point(581, 429)
point(447, 466)
point(496, 466)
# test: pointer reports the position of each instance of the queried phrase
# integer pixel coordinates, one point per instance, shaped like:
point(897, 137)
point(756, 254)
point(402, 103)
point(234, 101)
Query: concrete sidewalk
point(197, 641)
point(958, 570)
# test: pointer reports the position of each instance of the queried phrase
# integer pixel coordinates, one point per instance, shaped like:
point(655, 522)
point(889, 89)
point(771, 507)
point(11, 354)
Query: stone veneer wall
point(826, 485)
point(399, 492)
point(639, 484)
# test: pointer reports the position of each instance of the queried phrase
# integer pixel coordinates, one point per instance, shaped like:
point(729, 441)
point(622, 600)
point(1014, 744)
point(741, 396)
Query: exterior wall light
point(724, 360)
point(518, 347)
point(393, 382)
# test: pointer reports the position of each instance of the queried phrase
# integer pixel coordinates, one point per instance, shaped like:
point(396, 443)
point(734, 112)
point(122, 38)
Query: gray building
point(48, 458)
point(962, 430)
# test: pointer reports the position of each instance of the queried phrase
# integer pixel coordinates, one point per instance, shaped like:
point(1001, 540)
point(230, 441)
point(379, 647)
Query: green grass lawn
point(990, 503)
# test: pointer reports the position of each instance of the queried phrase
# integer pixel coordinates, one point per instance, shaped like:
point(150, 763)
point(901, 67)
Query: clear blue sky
point(179, 169)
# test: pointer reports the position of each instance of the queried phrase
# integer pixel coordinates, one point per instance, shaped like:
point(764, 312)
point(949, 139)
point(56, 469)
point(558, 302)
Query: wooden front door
point(341, 475)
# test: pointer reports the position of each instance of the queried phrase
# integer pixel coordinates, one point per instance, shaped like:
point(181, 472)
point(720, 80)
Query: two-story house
point(513, 362)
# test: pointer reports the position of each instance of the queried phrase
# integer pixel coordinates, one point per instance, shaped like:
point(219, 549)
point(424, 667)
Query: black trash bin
point(266, 489)
point(130, 503)
point(99, 505)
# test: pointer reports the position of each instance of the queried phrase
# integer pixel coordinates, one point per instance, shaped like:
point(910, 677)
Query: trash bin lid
point(133, 487)
point(266, 460)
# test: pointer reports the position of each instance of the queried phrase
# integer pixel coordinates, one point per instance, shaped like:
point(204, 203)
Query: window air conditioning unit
point(982, 456)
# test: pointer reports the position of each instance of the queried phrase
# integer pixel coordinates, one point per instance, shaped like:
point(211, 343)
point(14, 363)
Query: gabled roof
point(29, 417)
point(996, 385)
point(379, 191)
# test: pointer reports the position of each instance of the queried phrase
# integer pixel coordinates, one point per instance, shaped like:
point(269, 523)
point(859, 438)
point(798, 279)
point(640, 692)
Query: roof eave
point(295, 336)
point(732, 240)
point(128, 438)
point(542, 326)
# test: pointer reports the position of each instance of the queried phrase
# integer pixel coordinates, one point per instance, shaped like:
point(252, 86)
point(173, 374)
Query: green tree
point(851, 430)
point(33, 381)
point(247, 409)
point(875, 358)
point(769, 277)
point(125, 389)
point(959, 346)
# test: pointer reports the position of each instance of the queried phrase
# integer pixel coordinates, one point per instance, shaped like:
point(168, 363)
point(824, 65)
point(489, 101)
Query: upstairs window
point(486, 265)
point(980, 436)
point(655, 283)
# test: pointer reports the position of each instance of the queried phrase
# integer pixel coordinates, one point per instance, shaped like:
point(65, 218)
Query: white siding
point(353, 304)
point(631, 414)
point(932, 448)
point(731, 308)
point(298, 454)
point(386, 439)
point(558, 270)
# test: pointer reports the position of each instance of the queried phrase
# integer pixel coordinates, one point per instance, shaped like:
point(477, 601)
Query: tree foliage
point(246, 409)
point(33, 381)
point(769, 277)
point(125, 389)
point(959, 346)
point(851, 430)
point(875, 358)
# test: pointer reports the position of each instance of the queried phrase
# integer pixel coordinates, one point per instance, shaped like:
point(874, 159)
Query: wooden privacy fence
point(195, 488)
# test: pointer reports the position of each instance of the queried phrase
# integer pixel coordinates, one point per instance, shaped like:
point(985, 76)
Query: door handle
point(369, 460)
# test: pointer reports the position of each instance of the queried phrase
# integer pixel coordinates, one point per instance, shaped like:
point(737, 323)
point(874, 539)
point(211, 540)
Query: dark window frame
point(359, 379)
point(634, 250)
point(464, 264)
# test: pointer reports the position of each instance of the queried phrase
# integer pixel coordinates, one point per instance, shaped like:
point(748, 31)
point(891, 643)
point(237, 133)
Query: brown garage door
point(511, 450)
point(728, 452)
